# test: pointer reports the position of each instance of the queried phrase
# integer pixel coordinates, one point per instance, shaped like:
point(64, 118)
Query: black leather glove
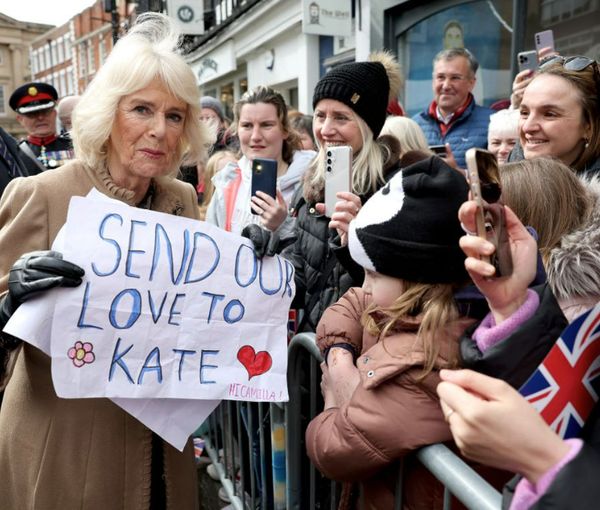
point(36, 272)
point(260, 238)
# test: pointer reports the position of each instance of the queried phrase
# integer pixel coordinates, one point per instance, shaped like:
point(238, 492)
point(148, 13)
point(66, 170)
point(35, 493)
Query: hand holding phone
point(484, 181)
point(438, 150)
point(504, 295)
point(338, 175)
point(543, 40)
point(264, 177)
point(527, 60)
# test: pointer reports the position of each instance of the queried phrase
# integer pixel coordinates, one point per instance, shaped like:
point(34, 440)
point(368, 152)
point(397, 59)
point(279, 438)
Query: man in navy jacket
point(453, 116)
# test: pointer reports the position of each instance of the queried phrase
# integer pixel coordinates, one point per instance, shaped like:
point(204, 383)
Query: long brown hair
point(435, 305)
point(262, 94)
point(547, 195)
point(587, 84)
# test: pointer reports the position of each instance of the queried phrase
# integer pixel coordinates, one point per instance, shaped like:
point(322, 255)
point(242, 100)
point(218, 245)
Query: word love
point(127, 307)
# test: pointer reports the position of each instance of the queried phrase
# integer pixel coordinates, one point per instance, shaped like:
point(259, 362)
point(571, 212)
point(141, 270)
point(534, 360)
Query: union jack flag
point(566, 386)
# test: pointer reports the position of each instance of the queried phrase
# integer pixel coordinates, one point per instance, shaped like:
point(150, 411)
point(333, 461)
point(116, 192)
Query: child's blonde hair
point(433, 302)
point(213, 165)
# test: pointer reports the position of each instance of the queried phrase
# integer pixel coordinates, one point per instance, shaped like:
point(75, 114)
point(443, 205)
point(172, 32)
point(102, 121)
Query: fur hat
point(366, 87)
point(409, 229)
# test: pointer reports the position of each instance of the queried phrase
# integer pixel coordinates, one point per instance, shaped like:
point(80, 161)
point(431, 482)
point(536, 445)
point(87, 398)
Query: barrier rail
point(249, 434)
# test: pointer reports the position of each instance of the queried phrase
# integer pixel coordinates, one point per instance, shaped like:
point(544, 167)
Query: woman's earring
point(587, 143)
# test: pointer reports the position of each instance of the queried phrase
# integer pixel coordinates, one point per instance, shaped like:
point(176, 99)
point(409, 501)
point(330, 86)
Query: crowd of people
point(423, 342)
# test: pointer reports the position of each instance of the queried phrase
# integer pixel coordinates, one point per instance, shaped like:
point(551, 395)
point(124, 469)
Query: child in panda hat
point(385, 343)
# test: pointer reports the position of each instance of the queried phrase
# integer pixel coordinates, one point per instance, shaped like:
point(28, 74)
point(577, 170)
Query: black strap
point(24, 146)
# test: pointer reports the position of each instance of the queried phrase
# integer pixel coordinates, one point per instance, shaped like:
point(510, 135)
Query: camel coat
point(79, 453)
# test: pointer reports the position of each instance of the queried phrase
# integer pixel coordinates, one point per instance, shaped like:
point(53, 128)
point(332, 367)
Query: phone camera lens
point(329, 168)
point(328, 154)
point(328, 161)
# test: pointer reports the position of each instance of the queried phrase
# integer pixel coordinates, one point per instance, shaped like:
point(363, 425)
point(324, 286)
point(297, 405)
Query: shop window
point(482, 27)
point(243, 86)
point(293, 101)
point(226, 99)
point(61, 50)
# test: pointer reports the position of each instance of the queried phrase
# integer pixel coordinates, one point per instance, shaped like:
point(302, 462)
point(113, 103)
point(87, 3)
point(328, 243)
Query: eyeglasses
point(576, 63)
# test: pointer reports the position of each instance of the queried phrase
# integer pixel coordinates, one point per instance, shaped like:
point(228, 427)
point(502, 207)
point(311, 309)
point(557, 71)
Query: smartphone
point(484, 181)
point(338, 174)
point(544, 39)
point(438, 150)
point(264, 177)
point(527, 60)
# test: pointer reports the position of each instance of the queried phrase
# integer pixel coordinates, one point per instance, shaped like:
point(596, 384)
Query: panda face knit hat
point(409, 229)
point(365, 87)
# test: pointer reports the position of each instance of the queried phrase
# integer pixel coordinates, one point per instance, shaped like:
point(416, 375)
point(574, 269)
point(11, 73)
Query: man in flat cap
point(35, 104)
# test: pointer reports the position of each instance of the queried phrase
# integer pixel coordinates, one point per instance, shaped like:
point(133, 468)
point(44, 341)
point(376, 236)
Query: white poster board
point(213, 326)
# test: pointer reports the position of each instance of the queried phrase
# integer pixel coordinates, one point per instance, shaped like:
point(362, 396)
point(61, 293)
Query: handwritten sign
point(169, 308)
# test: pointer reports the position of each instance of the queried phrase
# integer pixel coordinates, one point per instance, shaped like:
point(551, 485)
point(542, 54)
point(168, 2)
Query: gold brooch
point(32, 91)
point(355, 97)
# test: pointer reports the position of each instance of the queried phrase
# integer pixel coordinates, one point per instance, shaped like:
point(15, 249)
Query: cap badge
point(355, 97)
point(32, 91)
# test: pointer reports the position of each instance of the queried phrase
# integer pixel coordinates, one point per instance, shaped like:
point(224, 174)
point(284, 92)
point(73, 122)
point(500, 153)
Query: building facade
point(250, 42)
point(15, 40)
point(93, 38)
point(257, 43)
point(51, 58)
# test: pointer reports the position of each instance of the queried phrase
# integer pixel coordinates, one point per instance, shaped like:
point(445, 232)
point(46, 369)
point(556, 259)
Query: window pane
point(478, 26)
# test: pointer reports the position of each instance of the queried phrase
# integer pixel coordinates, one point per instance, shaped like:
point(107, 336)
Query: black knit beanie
point(362, 86)
point(409, 229)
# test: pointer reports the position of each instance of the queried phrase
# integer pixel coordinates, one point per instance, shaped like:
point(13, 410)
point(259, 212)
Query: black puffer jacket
point(514, 359)
point(317, 250)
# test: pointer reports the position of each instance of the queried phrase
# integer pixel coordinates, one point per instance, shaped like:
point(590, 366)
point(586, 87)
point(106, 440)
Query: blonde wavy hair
point(433, 303)
point(149, 52)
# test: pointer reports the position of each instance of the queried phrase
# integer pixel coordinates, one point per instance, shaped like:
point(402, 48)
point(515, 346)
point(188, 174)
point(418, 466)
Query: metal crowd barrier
point(259, 453)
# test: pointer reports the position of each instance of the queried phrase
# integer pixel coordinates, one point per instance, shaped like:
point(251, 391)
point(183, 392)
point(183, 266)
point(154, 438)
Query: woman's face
point(260, 132)
point(551, 121)
point(144, 138)
point(306, 140)
point(334, 123)
point(500, 146)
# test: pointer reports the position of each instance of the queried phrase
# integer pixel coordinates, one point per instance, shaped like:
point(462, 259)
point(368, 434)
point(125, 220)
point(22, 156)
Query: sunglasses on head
point(576, 63)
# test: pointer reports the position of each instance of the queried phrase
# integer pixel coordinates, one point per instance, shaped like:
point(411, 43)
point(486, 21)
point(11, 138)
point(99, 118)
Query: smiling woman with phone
point(262, 125)
point(560, 114)
point(350, 104)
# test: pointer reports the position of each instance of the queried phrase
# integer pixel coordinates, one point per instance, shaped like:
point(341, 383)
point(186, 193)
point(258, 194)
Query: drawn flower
point(82, 353)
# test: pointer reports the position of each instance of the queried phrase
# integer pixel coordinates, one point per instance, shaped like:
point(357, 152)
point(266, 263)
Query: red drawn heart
point(256, 363)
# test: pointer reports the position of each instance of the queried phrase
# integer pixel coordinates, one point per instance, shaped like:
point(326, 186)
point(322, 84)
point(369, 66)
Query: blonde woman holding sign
point(131, 129)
